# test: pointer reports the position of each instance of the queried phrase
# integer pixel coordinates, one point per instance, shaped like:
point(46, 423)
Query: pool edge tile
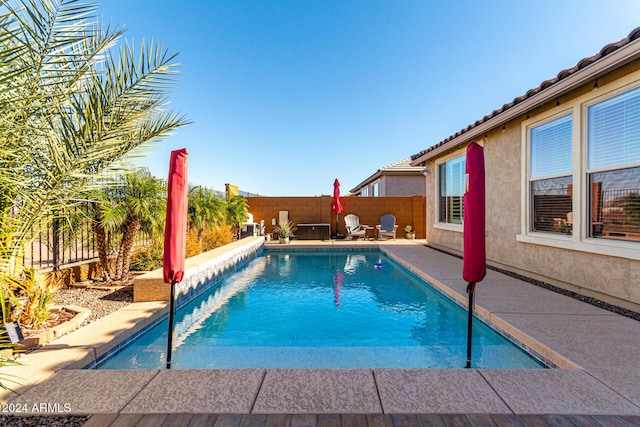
point(318, 391)
point(437, 391)
point(198, 391)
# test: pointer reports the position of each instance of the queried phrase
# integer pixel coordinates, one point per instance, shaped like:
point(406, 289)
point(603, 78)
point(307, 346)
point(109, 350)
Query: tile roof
point(404, 164)
point(607, 50)
point(396, 167)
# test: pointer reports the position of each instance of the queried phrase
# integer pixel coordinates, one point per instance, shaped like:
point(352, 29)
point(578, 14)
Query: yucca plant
point(284, 230)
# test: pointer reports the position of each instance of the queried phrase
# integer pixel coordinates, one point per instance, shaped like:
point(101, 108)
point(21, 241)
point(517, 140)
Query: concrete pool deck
point(598, 350)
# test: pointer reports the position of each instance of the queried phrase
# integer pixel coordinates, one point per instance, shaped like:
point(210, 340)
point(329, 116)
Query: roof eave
point(387, 171)
point(620, 57)
point(360, 186)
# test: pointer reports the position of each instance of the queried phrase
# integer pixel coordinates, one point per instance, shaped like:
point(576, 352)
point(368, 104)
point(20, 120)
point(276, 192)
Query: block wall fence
point(408, 211)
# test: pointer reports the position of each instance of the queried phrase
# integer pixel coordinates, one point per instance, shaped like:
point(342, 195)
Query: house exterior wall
point(408, 210)
point(402, 185)
point(612, 277)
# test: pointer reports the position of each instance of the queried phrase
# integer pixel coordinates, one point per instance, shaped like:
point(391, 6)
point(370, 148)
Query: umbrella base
point(337, 236)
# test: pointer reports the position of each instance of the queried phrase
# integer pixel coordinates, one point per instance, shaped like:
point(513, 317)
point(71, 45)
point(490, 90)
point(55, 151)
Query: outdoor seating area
point(353, 226)
point(387, 226)
point(313, 217)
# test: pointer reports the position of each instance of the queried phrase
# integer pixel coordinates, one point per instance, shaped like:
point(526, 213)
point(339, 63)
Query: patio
point(598, 350)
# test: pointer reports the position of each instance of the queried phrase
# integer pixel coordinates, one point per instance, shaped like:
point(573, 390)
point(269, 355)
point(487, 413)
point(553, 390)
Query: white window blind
point(551, 148)
point(455, 176)
point(550, 159)
point(614, 131)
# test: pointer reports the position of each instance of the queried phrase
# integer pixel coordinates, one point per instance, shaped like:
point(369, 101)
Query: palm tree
point(237, 212)
point(205, 209)
point(143, 202)
point(105, 219)
point(74, 111)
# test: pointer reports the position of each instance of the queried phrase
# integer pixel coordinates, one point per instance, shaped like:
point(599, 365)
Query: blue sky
point(286, 96)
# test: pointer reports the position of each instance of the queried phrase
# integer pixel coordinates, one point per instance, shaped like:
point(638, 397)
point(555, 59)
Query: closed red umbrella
point(175, 230)
point(338, 278)
point(336, 206)
point(475, 259)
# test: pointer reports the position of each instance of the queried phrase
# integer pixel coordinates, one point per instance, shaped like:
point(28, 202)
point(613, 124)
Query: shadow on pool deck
point(601, 347)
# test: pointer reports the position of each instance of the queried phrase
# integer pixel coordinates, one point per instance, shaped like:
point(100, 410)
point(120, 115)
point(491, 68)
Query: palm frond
point(74, 109)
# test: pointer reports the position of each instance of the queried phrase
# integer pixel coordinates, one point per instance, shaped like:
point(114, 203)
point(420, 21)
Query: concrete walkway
point(599, 351)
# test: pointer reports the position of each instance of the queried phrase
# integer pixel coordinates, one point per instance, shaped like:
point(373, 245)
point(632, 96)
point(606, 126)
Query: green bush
point(147, 258)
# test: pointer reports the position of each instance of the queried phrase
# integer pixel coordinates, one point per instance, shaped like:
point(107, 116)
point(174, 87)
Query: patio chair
point(354, 228)
point(249, 227)
point(353, 262)
point(387, 226)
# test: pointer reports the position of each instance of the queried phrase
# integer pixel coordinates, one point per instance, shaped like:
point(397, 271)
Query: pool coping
point(53, 371)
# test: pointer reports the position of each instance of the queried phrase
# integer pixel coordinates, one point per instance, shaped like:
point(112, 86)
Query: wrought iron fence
point(619, 210)
point(62, 243)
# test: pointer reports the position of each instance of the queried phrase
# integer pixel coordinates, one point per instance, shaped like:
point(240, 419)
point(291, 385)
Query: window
point(451, 192)
point(365, 192)
point(375, 189)
point(613, 167)
point(550, 176)
point(581, 186)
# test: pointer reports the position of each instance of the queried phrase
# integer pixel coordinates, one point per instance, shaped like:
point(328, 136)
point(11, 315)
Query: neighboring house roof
point(403, 167)
point(611, 56)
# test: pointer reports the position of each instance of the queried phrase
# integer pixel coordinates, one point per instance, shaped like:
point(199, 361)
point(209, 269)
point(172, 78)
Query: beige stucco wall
point(612, 279)
point(402, 185)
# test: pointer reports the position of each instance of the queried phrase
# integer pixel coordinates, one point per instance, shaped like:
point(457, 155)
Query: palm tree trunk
point(101, 242)
point(118, 267)
point(128, 249)
point(124, 254)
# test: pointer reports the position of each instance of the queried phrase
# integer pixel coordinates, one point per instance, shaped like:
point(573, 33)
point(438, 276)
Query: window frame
point(375, 188)
point(437, 223)
point(589, 171)
point(528, 147)
point(579, 240)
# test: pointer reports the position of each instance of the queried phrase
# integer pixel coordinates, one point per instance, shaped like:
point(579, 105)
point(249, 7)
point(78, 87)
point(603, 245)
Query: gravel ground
point(100, 301)
point(44, 421)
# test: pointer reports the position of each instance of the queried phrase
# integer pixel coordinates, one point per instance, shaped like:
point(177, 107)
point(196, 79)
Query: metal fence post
point(55, 244)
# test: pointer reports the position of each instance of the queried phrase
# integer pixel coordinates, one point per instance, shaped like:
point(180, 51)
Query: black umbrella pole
point(171, 310)
point(470, 290)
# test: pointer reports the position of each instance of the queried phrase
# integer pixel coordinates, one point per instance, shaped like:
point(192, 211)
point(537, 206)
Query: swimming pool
point(321, 309)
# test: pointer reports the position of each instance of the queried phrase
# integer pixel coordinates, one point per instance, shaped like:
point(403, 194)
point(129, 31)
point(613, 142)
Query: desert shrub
point(216, 236)
point(150, 257)
point(36, 293)
point(147, 258)
point(194, 245)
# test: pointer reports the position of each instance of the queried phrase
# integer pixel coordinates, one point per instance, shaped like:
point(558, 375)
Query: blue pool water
point(321, 309)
